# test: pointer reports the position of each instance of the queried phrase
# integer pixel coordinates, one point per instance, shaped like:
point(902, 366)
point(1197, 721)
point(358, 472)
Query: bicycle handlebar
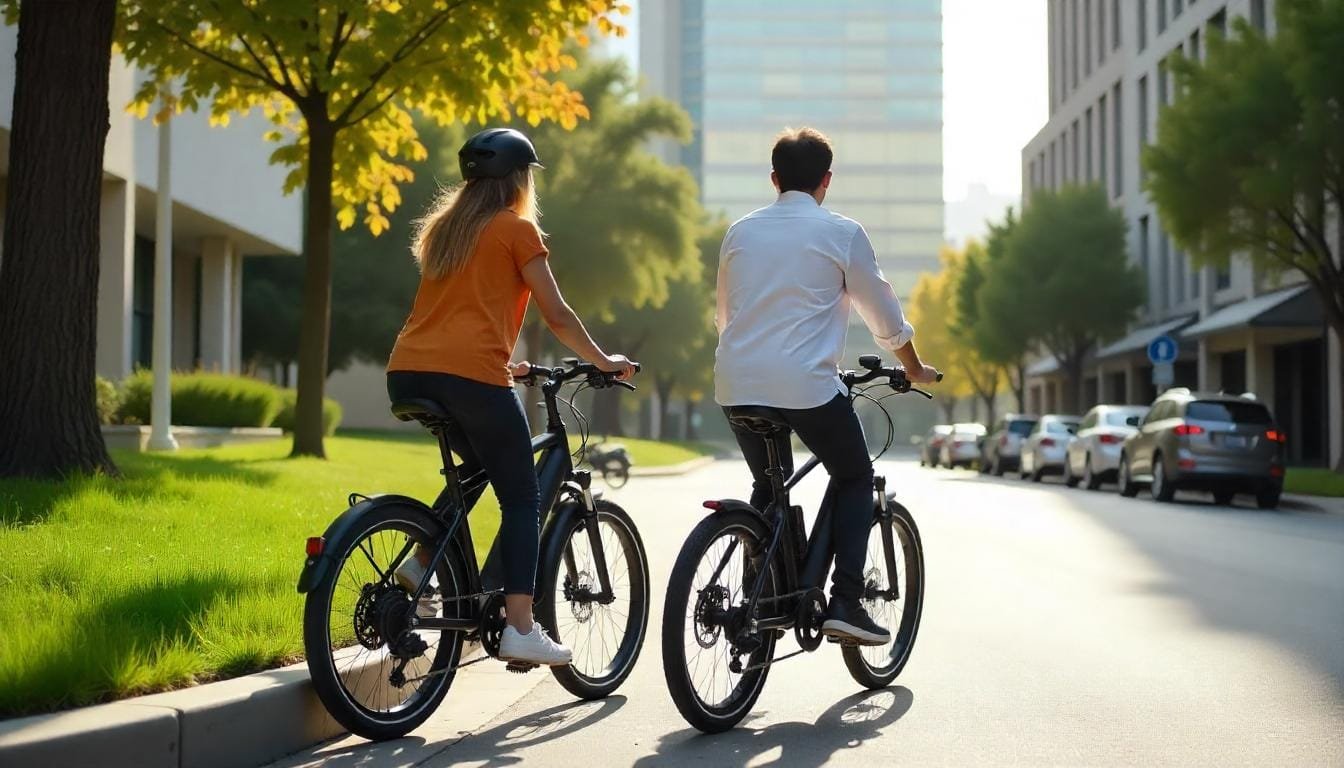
point(573, 369)
point(896, 378)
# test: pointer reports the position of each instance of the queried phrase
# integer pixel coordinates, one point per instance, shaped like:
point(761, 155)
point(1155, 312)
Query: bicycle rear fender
point(315, 568)
point(736, 505)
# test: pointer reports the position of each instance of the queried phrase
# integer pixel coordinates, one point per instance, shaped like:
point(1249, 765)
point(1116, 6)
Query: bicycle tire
point(704, 716)
point(327, 678)
point(579, 682)
point(861, 660)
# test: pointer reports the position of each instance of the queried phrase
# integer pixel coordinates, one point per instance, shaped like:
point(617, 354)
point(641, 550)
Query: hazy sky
point(994, 88)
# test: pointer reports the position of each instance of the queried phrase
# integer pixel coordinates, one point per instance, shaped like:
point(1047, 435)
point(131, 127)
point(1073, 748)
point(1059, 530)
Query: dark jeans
point(491, 433)
point(832, 432)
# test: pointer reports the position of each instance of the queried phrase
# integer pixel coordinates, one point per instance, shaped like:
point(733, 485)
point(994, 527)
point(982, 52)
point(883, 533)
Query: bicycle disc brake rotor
point(872, 586)
point(709, 606)
point(492, 623)
point(807, 623)
point(580, 596)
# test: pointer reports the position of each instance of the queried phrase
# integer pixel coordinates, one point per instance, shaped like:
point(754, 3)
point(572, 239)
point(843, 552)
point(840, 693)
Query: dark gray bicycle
point(382, 656)
point(746, 576)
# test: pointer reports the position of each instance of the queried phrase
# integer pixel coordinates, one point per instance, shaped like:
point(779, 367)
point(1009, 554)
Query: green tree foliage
point(340, 80)
point(998, 340)
point(1065, 276)
point(1250, 159)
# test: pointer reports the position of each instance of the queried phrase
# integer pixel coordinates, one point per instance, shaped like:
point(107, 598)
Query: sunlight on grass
point(182, 570)
point(1314, 481)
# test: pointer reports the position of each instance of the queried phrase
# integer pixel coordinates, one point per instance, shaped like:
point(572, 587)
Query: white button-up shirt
point(788, 274)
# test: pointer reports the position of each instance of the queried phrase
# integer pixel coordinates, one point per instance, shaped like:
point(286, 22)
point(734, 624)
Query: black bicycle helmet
point(495, 153)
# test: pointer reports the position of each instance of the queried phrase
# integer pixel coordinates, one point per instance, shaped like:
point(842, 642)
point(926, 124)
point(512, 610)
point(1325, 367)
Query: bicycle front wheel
point(604, 632)
point(894, 600)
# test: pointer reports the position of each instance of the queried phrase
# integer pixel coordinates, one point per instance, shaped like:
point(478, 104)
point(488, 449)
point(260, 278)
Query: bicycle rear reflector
point(314, 546)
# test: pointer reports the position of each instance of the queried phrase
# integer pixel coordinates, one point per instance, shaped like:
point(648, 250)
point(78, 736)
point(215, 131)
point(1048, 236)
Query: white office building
point(226, 205)
point(1238, 329)
point(868, 73)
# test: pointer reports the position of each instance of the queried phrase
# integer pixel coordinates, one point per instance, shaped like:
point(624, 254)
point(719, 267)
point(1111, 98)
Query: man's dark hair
point(801, 158)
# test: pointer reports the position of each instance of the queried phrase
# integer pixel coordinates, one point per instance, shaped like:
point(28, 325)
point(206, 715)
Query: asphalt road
point(1061, 627)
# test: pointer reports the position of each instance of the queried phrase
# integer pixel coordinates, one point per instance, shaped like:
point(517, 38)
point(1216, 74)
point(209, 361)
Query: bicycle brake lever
point(625, 384)
point(922, 392)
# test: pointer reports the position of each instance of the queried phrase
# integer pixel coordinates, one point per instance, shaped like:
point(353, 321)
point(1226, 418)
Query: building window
point(1194, 45)
point(1176, 7)
point(1180, 277)
point(1115, 24)
point(1142, 5)
point(1218, 23)
point(1161, 16)
point(1196, 279)
point(1065, 172)
point(1054, 166)
point(1258, 14)
point(1143, 262)
point(1077, 167)
point(1222, 278)
point(1101, 32)
point(1087, 37)
point(1162, 92)
point(1163, 271)
point(1118, 141)
point(1073, 35)
point(1143, 116)
point(1087, 150)
point(1101, 141)
point(142, 303)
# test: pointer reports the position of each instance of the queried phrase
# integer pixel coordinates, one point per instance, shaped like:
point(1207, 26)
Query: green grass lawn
point(654, 453)
point(1314, 481)
point(183, 570)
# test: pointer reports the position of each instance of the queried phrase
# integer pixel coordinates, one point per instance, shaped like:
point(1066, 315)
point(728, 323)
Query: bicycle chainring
point(492, 623)
point(810, 615)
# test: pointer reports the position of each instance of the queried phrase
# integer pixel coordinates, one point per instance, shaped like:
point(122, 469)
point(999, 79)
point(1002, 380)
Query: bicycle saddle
point(427, 412)
point(758, 419)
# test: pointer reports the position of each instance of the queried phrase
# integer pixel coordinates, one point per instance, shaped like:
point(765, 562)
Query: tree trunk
point(989, 398)
point(607, 412)
point(663, 386)
point(1070, 394)
point(949, 405)
point(315, 321)
point(49, 271)
point(688, 424)
point(1018, 381)
point(533, 334)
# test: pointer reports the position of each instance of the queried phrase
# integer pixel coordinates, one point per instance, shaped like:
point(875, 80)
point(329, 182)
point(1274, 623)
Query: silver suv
point(1202, 441)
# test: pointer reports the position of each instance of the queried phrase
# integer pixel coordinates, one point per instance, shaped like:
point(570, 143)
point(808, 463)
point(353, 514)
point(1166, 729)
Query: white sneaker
point(408, 575)
point(536, 647)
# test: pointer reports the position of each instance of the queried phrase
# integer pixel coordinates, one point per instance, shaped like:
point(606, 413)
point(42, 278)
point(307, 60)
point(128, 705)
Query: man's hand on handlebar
point(619, 365)
point(520, 370)
point(924, 374)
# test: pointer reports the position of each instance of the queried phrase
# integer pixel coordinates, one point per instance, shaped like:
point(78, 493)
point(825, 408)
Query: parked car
point(1002, 450)
point(1093, 455)
point(962, 446)
point(933, 442)
point(1226, 444)
point(1043, 450)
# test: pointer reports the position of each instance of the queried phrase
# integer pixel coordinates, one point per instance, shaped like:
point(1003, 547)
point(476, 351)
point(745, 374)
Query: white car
point(962, 446)
point(1044, 449)
point(1093, 456)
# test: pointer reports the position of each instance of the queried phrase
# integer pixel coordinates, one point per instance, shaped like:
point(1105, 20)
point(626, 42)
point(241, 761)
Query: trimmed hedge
point(203, 400)
point(331, 413)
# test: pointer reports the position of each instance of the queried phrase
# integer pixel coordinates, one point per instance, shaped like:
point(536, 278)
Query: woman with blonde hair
point(481, 258)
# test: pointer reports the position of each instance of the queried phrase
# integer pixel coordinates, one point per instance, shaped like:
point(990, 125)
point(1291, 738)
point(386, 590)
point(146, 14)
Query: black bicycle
point(746, 576)
point(383, 656)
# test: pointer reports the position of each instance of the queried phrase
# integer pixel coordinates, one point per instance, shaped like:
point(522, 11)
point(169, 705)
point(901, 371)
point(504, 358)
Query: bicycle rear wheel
point(875, 666)
point(377, 675)
point(697, 647)
point(605, 635)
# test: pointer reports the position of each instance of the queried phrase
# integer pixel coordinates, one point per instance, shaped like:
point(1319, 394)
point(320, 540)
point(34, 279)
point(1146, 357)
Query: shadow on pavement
point(847, 724)
point(496, 746)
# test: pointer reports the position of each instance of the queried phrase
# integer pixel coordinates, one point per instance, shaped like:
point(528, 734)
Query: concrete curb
point(672, 470)
point(244, 721)
point(1300, 502)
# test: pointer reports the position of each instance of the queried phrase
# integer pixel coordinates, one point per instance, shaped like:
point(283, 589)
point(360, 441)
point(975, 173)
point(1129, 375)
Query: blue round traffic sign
point(1162, 350)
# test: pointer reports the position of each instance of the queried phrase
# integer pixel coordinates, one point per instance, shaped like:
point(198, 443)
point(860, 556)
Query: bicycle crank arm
point(765, 664)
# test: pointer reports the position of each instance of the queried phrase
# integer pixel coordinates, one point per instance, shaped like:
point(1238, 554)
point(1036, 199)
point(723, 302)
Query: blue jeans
point(491, 433)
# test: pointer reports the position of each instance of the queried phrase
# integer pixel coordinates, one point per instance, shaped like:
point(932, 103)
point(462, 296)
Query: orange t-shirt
point(467, 323)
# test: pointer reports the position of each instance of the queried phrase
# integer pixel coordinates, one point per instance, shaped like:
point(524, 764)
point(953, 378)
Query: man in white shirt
point(788, 274)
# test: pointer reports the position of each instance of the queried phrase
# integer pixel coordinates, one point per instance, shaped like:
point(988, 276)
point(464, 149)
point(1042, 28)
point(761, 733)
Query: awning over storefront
point(1296, 307)
point(1138, 339)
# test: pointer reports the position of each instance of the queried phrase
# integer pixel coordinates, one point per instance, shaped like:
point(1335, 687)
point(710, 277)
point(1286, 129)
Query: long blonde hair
point(446, 236)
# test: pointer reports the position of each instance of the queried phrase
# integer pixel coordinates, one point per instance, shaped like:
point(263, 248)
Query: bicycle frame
point(555, 475)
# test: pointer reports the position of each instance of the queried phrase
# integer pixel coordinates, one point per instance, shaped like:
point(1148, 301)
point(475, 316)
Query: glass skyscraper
point(868, 73)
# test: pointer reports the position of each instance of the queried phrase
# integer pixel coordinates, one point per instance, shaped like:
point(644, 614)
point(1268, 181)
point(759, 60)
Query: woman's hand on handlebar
point(924, 374)
point(520, 370)
point(617, 364)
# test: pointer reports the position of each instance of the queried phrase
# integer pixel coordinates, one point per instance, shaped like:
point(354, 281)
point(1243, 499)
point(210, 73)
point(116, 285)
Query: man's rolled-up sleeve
point(873, 297)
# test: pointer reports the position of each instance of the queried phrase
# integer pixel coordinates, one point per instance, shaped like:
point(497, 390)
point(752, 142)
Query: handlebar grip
point(939, 377)
point(637, 366)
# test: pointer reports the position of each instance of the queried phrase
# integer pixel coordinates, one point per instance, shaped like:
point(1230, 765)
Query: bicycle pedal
point(519, 667)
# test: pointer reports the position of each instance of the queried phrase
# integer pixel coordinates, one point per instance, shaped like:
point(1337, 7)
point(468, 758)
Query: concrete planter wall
point(136, 437)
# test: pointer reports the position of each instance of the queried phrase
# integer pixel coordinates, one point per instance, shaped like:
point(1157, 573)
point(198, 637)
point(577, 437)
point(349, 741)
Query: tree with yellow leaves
point(930, 313)
point(340, 80)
